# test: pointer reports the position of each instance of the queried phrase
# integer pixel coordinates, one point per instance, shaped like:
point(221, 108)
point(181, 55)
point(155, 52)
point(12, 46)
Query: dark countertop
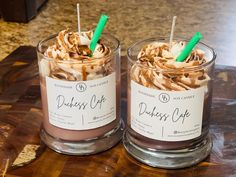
point(132, 20)
point(21, 114)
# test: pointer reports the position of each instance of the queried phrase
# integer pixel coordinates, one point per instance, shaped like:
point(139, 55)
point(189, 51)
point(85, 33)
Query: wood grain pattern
point(20, 117)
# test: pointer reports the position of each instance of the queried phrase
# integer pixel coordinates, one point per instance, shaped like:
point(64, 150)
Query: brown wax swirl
point(71, 58)
point(74, 46)
point(156, 68)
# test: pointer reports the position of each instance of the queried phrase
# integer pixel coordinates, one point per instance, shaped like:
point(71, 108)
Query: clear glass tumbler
point(168, 129)
point(80, 100)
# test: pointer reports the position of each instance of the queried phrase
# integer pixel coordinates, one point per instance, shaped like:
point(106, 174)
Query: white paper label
point(81, 105)
point(166, 115)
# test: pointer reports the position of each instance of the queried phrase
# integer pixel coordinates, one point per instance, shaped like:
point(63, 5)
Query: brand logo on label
point(164, 97)
point(81, 87)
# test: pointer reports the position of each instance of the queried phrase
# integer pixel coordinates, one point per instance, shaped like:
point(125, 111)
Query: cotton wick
point(78, 17)
point(172, 31)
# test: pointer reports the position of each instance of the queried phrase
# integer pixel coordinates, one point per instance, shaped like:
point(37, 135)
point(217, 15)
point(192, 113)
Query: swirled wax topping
point(157, 68)
point(74, 46)
point(69, 58)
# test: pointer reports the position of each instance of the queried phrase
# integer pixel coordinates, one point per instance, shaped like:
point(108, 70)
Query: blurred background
point(25, 22)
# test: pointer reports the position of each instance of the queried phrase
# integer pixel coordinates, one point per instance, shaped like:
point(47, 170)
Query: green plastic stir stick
point(188, 48)
point(98, 31)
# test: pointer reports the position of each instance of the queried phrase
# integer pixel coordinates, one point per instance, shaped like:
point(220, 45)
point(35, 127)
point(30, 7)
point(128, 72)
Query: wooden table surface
point(20, 119)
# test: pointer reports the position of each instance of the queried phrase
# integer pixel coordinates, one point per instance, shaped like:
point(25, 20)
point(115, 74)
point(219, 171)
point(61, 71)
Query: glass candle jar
point(80, 100)
point(167, 127)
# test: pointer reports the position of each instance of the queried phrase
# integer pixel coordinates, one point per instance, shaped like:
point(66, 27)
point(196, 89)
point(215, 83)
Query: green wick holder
point(98, 31)
point(188, 48)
